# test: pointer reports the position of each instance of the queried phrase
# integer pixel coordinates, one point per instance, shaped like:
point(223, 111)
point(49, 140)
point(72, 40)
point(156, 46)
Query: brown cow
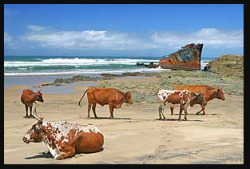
point(103, 96)
point(209, 93)
point(65, 139)
point(184, 98)
point(28, 98)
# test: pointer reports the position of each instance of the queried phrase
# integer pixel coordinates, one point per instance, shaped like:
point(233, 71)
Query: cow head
point(39, 96)
point(128, 98)
point(220, 94)
point(161, 95)
point(199, 99)
point(36, 133)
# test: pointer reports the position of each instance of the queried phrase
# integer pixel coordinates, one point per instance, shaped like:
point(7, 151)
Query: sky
point(121, 29)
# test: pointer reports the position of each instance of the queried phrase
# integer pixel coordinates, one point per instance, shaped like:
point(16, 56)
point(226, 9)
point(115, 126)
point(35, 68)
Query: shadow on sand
point(50, 156)
point(38, 156)
point(122, 118)
point(181, 120)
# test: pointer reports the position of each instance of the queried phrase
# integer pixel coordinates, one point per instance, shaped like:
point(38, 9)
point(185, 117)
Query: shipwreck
point(187, 58)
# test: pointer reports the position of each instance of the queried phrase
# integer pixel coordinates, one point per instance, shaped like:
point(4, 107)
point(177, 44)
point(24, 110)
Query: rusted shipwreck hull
point(187, 58)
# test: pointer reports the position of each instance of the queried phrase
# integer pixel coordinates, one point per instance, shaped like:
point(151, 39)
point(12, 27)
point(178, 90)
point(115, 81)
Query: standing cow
point(208, 92)
point(184, 98)
point(28, 98)
point(65, 139)
point(103, 96)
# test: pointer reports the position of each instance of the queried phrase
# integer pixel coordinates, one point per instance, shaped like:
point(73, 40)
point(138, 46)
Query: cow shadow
point(115, 118)
point(38, 156)
point(194, 114)
point(43, 155)
point(182, 120)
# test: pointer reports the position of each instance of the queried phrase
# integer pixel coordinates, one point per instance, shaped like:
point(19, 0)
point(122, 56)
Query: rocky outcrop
point(229, 66)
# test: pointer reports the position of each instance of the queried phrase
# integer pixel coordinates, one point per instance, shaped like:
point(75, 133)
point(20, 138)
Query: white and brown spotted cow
point(65, 139)
point(184, 98)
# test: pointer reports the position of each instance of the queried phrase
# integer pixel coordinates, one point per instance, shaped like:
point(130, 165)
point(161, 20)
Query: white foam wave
point(86, 72)
point(75, 62)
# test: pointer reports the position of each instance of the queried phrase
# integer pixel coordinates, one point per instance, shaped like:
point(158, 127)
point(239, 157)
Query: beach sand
point(135, 136)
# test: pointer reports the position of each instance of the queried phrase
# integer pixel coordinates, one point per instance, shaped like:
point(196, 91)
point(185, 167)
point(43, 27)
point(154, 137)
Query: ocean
point(78, 65)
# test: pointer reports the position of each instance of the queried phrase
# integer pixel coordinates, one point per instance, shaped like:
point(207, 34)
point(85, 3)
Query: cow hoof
point(88, 117)
point(59, 158)
point(25, 116)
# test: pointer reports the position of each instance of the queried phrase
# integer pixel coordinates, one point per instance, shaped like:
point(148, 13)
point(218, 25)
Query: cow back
point(103, 96)
point(194, 88)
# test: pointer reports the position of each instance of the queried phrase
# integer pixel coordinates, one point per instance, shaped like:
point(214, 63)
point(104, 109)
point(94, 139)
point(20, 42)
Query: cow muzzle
point(25, 140)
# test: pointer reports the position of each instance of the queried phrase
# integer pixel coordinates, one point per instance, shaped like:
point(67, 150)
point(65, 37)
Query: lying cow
point(65, 139)
point(208, 92)
point(184, 98)
point(28, 98)
point(103, 96)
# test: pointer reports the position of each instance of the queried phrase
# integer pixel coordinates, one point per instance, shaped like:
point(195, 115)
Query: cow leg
point(26, 109)
point(111, 109)
point(93, 108)
point(172, 110)
point(180, 113)
point(202, 109)
point(66, 152)
point(164, 118)
point(89, 107)
point(31, 111)
point(185, 116)
point(160, 111)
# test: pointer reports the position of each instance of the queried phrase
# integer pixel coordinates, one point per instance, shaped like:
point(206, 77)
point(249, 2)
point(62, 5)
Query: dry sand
point(135, 136)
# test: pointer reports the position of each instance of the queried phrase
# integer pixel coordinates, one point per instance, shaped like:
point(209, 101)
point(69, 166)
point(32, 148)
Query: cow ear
point(218, 90)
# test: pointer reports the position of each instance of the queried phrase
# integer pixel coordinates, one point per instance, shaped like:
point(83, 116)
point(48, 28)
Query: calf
point(65, 139)
point(103, 96)
point(208, 92)
point(184, 98)
point(29, 97)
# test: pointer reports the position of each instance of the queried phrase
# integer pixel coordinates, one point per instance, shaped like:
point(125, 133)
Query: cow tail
point(79, 103)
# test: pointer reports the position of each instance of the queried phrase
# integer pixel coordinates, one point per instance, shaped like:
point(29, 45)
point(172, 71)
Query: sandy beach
point(135, 55)
point(136, 135)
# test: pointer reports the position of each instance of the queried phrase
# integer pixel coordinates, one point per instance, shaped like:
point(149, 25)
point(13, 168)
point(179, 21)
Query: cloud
point(91, 39)
point(88, 39)
point(7, 38)
point(35, 28)
point(211, 37)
